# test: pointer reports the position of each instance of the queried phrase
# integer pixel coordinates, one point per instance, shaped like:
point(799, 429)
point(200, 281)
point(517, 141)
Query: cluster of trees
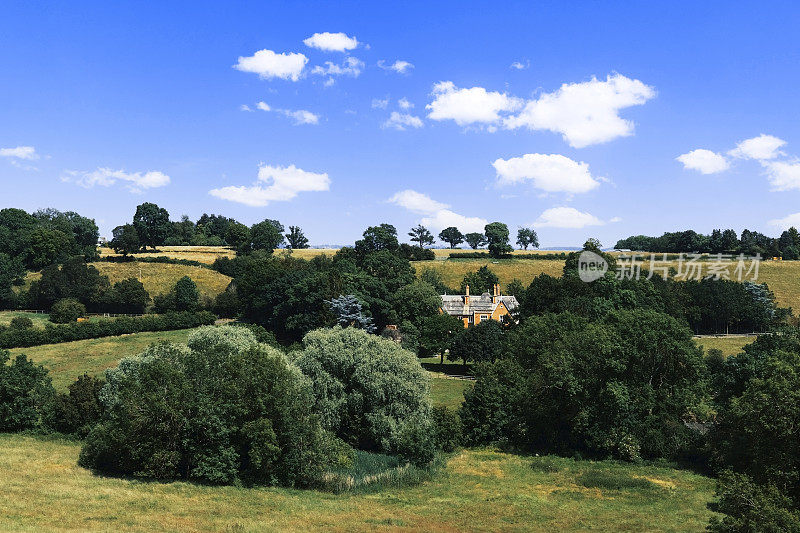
point(720, 241)
point(228, 409)
point(495, 235)
point(151, 227)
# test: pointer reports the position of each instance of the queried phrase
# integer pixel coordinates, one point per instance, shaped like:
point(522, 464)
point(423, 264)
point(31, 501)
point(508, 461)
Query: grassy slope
point(69, 360)
point(728, 345)
point(479, 490)
point(38, 319)
point(203, 254)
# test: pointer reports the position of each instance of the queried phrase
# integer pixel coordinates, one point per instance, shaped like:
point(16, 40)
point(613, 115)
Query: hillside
point(479, 490)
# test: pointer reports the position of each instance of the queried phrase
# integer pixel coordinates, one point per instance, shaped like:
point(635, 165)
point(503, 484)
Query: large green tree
point(266, 235)
point(527, 237)
point(497, 235)
point(296, 238)
point(451, 236)
point(420, 235)
point(152, 224)
point(475, 240)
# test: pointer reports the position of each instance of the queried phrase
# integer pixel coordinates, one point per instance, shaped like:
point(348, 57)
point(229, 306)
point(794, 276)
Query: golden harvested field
point(727, 345)
point(159, 278)
point(479, 490)
point(203, 254)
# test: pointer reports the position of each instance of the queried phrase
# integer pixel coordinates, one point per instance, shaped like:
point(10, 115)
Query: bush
point(227, 305)
point(20, 338)
point(367, 388)
point(416, 443)
point(67, 310)
point(222, 409)
point(447, 430)
point(76, 412)
point(25, 391)
point(415, 253)
point(127, 297)
point(748, 506)
point(21, 322)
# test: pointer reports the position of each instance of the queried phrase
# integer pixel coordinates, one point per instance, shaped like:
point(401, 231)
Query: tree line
point(719, 241)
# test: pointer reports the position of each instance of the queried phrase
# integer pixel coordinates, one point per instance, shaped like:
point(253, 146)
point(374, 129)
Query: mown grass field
point(727, 345)
point(202, 254)
point(38, 319)
point(44, 489)
point(69, 360)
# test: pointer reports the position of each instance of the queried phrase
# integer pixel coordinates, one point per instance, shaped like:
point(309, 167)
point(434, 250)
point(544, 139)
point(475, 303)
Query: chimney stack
point(495, 293)
point(466, 297)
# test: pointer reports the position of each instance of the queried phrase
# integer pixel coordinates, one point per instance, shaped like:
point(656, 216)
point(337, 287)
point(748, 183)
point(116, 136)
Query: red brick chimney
point(466, 297)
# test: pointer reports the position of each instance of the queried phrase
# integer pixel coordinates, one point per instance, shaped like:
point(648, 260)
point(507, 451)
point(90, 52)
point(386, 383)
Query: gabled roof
point(453, 304)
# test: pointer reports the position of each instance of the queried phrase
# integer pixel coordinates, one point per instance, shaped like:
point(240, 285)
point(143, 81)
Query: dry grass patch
point(159, 278)
point(202, 254)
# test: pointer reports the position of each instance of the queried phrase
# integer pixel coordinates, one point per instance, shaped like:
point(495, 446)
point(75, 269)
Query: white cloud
point(244, 107)
point(548, 172)
point(762, 148)
point(417, 202)
point(301, 116)
point(585, 113)
point(400, 121)
point(20, 152)
point(704, 161)
point(783, 175)
point(437, 215)
point(106, 177)
point(275, 184)
point(518, 65)
point(331, 42)
point(399, 66)
point(404, 103)
point(469, 106)
point(567, 217)
point(267, 64)
point(787, 222)
point(378, 103)
point(351, 66)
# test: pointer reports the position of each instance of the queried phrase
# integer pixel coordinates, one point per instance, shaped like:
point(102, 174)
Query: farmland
point(480, 489)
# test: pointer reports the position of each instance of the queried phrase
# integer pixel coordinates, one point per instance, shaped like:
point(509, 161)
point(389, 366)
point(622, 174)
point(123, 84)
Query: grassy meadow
point(201, 254)
point(727, 345)
point(38, 319)
point(69, 360)
point(481, 489)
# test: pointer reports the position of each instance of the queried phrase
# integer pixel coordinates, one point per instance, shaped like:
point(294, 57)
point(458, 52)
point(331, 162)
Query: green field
point(69, 360)
point(38, 319)
point(44, 489)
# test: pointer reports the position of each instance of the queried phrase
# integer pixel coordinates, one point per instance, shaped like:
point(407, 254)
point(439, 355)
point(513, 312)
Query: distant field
point(39, 319)
point(727, 345)
point(44, 489)
point(159, 278)
point(69, 360)
point(203, 254)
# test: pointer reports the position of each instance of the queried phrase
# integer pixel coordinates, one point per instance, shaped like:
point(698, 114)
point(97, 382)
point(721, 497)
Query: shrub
point(127, 296)
point(67, 310)
point(25, 390)
point(14, 338)
point(221, 409)
point(76, 412)
point(416, 443)
point(447, 431)
point(748, 506)
point(21, 322)
point(227, 304)
point(366, 387)
point(187, 297)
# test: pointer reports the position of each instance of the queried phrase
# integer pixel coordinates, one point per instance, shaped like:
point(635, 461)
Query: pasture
point(481, 489)
point(201, 254)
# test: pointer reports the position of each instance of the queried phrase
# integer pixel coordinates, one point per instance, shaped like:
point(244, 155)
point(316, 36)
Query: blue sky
point(106, 105)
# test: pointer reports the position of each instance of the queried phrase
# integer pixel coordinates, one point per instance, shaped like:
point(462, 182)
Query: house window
point(484, 317)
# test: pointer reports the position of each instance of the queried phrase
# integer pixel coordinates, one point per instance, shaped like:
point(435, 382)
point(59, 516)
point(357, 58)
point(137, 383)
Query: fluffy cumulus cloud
point(787, 222)
point(437, 215)
point(704, 161)
point(585, 113)
point(274, 184)
point(567, 217)
point(268, 64)
point(27, 153)
point(469, 106)
point(783, 175)
point(106, 177)
point(401, 121)
point(404, 103)
point(331, 42)
point(763, 147)
point(399, 66)
point(547, 172)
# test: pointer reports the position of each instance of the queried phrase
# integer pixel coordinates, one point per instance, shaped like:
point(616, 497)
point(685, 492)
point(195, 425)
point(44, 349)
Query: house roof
point(453, 304)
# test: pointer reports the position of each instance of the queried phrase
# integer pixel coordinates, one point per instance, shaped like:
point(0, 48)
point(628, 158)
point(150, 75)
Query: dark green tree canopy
point(420, 235)
point(475, 240)
point(296, 238)
point(152, 224)
point(451, 236)
point(266, 235)
point(527, 237)
point(497, 236)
